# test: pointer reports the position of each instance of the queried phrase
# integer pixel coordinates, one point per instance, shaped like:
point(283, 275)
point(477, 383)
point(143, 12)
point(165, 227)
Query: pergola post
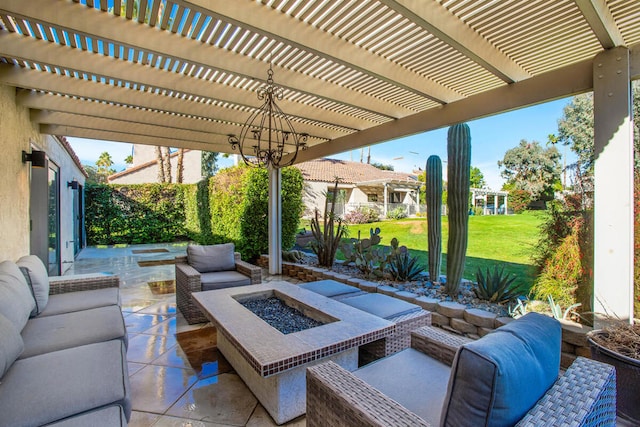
point(275, 221)
point(613, 198)
point(386, 200)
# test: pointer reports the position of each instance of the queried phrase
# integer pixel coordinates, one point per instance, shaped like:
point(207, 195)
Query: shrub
point(519, 200)
point(361, 215)
point(565, 271)
point(230, 207)
point(495, 287)
point(397, 213)
point(239, 199)
point(132, 214)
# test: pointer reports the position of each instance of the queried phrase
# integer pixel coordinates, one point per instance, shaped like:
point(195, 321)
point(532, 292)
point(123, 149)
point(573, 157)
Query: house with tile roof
point(360, 185)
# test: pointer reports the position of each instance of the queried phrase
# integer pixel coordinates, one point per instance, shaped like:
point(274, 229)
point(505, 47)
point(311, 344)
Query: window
point(395, 197)
point(372, 197)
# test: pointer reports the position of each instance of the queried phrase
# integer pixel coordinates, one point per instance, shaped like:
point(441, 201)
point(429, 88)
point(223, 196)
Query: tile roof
point(326, 170)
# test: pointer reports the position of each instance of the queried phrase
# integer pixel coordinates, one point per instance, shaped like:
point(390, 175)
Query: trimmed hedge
point(230, 207)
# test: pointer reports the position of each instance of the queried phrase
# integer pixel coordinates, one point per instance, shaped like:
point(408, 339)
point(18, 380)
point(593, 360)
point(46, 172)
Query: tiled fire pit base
point(273, 364)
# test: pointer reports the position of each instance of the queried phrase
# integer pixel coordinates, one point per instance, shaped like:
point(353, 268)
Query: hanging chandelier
point(268, 135)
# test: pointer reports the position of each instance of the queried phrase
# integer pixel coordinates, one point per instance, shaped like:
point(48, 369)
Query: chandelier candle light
point(268, 134)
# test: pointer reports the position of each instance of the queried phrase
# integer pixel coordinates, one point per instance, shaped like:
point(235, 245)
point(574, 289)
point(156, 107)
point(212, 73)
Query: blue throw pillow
point(497, 379)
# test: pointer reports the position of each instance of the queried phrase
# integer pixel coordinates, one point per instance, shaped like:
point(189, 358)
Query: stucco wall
point(192, 171)
point(17, 134)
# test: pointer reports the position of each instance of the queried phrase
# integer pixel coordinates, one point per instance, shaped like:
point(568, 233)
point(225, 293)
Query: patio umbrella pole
point(275, 220)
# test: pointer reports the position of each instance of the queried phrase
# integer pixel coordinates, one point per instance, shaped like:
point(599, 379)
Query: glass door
point(54, 220)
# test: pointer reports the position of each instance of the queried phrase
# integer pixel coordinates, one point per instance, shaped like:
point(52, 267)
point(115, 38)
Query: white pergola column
point(495, 204)
point(386, 198)
point(275, 221)
point(613, 198)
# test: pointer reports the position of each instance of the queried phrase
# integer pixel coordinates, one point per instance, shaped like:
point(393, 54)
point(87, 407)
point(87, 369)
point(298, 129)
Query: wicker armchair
point(585, 395)
point(188, 280)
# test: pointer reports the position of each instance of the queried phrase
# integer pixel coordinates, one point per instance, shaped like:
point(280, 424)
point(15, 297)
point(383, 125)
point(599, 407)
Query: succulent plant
point(328, 236)
point(434, 215)
point(458, 175)
point(495, 287)
point(404, 267)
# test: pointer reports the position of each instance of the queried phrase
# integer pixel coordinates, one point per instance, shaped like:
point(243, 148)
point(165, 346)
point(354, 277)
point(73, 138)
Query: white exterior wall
point(68, 172)
point(192, 171)
point(18, 133)
point(313, 196)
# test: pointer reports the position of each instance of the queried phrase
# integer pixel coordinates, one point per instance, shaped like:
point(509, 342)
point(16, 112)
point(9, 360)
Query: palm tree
point(160, 164)
point(180, 166)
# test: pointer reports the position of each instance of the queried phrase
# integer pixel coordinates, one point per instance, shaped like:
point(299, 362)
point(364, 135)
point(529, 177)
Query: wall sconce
point(38, 159)
point(73, 184)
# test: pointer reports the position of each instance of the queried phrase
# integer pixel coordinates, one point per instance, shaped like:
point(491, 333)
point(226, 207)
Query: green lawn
point(493, 239)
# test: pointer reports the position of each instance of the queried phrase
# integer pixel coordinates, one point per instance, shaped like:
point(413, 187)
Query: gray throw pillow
point(211, 257)
point(11, 344)
point(16, 301)
point(38, 279)
point(497, 379)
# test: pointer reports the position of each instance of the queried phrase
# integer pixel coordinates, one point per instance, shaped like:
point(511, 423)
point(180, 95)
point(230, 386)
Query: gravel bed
point(280, 316)
point(423, 287)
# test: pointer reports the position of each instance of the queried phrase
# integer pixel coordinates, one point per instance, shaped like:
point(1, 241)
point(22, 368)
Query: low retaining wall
point(451, 316)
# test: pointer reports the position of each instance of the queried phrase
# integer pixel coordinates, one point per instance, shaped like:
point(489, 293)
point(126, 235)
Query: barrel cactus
point(458, 175)
point(434, 215)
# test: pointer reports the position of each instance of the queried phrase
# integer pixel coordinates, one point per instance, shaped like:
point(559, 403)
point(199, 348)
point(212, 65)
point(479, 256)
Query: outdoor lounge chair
point(509, 377)
point(207, 268)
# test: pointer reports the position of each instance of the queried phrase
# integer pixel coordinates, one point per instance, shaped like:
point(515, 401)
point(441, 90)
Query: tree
point(209, 163)
point(180, 166)
point(129, 159)
point(160, 163)
point(103, 167)
point(477, 178)
point(382, 167)
point(532, 168)
point(575, 128)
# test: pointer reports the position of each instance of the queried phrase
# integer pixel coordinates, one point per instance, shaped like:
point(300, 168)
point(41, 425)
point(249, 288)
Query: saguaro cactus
point(458, 174)
point(434, 215)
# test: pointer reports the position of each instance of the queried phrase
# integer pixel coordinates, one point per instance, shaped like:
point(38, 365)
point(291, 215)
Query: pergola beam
point(121, 126)
point(448, 28)
point(601, 21)
point(95, 24)
point(47, 101)
point(128, 138)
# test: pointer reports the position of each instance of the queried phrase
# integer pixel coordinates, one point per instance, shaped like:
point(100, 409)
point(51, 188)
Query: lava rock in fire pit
point(280, 316)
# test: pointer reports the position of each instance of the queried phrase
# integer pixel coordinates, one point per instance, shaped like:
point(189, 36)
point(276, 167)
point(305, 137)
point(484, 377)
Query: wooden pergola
point(183, 73)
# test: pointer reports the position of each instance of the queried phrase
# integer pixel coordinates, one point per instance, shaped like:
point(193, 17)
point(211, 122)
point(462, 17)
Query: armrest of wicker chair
point(335, 397)
point(82, 282)
point(252, 271)
point(437, 343)
point(584, 396)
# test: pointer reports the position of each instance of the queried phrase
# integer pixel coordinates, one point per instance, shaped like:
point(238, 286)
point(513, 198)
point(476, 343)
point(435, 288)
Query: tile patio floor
point(177, 376)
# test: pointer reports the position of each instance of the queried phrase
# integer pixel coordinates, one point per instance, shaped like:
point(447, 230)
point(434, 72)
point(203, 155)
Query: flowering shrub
point(397, 213)
point(361, 215)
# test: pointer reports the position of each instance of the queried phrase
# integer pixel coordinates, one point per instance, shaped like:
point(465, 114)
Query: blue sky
point(491, 137)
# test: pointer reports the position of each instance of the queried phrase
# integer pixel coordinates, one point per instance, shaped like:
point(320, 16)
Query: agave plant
point(403, 267)
point(495, 287)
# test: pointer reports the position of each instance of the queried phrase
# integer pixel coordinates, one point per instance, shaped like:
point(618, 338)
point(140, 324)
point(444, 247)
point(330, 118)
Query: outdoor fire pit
point(273, 363)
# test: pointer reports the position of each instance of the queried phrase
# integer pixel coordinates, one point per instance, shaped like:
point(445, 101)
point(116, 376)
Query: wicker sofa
point(62, 349)
point(208, 268)
point(501, 379)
